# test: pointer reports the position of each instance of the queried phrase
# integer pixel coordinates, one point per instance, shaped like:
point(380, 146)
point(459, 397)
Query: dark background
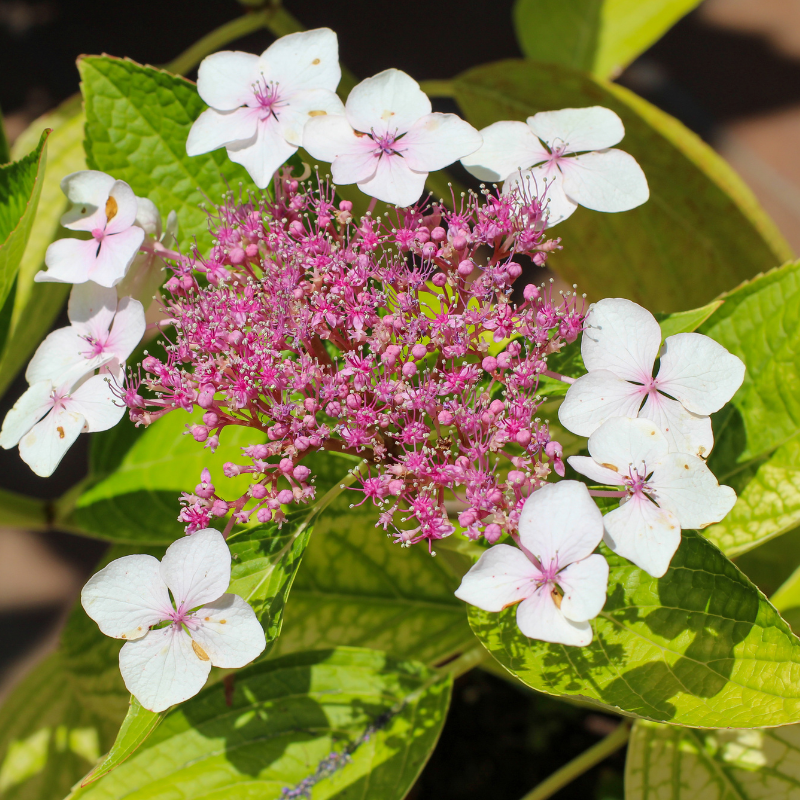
point(498, 741)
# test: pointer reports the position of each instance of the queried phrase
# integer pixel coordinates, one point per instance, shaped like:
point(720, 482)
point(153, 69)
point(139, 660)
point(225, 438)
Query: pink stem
point(556, 376)
point(605, 493)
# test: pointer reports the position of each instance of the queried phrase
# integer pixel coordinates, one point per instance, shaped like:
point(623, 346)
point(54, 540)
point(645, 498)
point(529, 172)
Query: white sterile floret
point(206, 627)
point(102, 330)
point(664, 491)
point(620, 344)
point(48, 418)
point(259, 104)
point(106, 208)
point(388, 140)
point(555, 577)
point(563, 156)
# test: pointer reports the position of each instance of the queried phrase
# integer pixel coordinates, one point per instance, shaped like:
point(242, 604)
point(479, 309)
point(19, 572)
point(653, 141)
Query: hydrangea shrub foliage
point(353, 434)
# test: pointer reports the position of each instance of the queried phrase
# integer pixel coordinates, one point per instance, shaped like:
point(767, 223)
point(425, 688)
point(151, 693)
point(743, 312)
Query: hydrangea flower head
point(663, 491)
point(260, 104)
point(554, 575)
point(167, 664)
point(387, 140)
point(571, 153)
point(620, 344)
point(106, 208)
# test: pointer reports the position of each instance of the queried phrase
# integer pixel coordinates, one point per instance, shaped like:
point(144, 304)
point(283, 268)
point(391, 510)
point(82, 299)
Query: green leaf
point(724, 236)
point(137, 122)
point(286, 724)
point(138, 502)
point(357, 588)
point(597, 36)
point(138, 724)
point(19, 511)
point(686, 321)
point(699, 647)
point(20, 189)
point(760, 322)
point(36, 305)
point(683, 764)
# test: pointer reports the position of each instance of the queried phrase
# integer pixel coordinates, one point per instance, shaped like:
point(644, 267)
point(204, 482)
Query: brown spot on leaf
point(199, 652)
point(111, 209)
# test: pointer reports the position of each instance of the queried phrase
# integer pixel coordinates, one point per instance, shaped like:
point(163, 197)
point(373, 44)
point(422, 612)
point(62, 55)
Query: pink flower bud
point(493, 532)
point(465, 268)
point(516, 478)
point(237, 256)
point(264, 515)
point(429, 250)
point(200, 433)
point(310, 405)
point(210, 418)
point(396, 487)
point(514, 270)
point(345, 205)
point(496, 406)
point(409, 369)
point(285, 496)
point(251, 251)
point(152, 364)
point(301, 443)
point(540, 259)
point(467, 518)
point(523, 438)
point(286, 465)
point(438, 234)
point(531, 292)
point(419, 351)
point(489, 363)
point(514, 349)
point(459, 241)
point(296, 229)
point(504, 361)
point(230, 469)
point(301, 473)
point(353, 402)
point(219, 508)
point(439, 279)
point(422, 235)
point(258, 490)
point(445, 418)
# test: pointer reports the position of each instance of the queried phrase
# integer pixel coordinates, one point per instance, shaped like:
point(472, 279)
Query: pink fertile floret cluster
point(393, 338)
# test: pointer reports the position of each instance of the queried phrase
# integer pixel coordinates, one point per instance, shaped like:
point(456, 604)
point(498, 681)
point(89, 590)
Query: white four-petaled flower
point(106, 208)
point(664, 491)
point(260, 104)
point(48, 418)
point(565, 153)
point(555, 577)
point(205, 627)
point(102, 330)
point(620, 344)
point(387, 140)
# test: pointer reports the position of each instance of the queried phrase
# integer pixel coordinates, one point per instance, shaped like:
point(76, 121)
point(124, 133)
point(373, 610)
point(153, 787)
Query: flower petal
point(687, 487)
point(148, 217)
point(27, 411)
point(544, 183)
point(116, 254)
point(620, 443)
point(91, 308)
point(596, 397)
point(264, 155)
point(197, 568)
point(538, 617)
point(128, 329)
point(643, 533)
point(502, 576)
point(69, 261)
point(609, 181)
point(127, 597)
point(127, 207)
point(393, 182)
point(622, 337)
point(585, 584)
point(560, 522)
point(390, 101)
point(64, 354)
point(88, 191)
point(698, 372)
point(437, 140)
point(507, 147)
point(685, 432)
point(353, 155)
point(225, 80)
point(592, 128)
point(213, 129)
point(301, 61)
point(43, 447)
point(162, 668)
point(98, 405)
point(307, 105)
point(229, 632)
point(592, 470)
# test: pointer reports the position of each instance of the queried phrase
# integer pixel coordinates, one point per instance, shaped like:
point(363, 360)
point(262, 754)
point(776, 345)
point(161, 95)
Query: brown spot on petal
point(315, 61)
point(317, 113)
point(61, 433)
point(686, 466)
point(124, 636)
point(199, 652)
point(208, 619)
point(222, 621)
point(111, 209)
point(557, 596)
